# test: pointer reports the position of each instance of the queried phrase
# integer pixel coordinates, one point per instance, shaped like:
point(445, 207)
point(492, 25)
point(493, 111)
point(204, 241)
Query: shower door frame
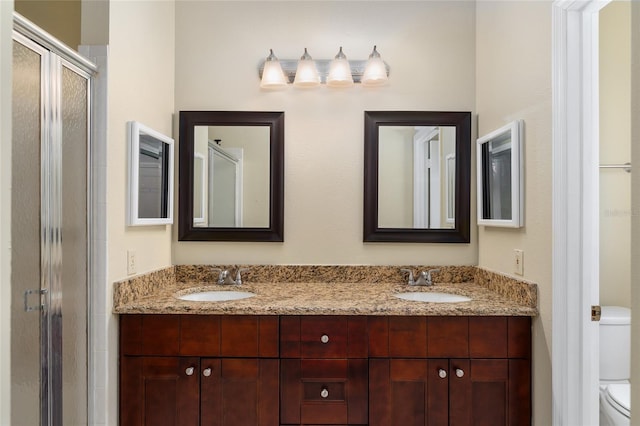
point(54, 57)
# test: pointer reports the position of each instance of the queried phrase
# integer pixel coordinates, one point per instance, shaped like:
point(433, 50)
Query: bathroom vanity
point(324, 354)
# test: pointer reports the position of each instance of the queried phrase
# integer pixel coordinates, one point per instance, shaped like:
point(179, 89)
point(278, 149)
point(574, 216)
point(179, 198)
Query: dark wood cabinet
point(454, 371)
point(324, 370)
point(159, 391)
point(239, 392)
point(408, 392)
point(199, 370)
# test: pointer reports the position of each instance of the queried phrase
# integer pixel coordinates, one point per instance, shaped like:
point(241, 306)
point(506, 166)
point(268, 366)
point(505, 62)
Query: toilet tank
point(615, 343)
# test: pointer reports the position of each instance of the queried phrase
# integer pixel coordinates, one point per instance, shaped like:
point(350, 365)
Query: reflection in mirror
point(415, 182)
point(417, 176)
point(231, 176)
point(231, 187)
point(500, 191)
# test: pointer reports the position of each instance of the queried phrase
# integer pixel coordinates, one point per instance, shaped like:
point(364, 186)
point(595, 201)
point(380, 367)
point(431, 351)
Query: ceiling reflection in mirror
point(416, 177)
point(231, 176)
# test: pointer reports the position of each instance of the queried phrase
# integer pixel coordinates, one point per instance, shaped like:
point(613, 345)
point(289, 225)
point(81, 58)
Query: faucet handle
point(429, 272)
point(224, 273)
point(238, 277)
point(411, 281)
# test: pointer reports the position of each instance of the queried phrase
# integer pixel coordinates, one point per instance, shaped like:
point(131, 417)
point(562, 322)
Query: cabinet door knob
point(442, 373)
point(189, 371)
point(459, 372)
point(206, 372)
point(324, 338)
point(324, 392)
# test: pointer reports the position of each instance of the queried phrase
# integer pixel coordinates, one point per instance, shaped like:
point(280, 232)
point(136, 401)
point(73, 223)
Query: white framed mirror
point(150, 198)
point(500, 171)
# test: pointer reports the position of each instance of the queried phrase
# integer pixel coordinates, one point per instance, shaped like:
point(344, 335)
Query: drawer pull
point(206, 372)
point(442, 373)
point(189, 371)
point(324, 338)
point(459, 372)
point(324, 393)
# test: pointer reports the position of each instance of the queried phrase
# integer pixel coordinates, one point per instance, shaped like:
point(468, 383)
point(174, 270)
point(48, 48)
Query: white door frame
point(575, 211)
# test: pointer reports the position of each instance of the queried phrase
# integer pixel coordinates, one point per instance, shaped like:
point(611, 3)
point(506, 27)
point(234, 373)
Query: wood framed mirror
point(417, 176)
point(231, 177)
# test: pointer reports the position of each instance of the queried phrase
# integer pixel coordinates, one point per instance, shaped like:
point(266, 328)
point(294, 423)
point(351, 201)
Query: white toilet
point(615, 367)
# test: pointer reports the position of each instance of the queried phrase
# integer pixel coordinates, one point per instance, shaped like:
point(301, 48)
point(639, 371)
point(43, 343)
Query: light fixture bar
point(289, 68)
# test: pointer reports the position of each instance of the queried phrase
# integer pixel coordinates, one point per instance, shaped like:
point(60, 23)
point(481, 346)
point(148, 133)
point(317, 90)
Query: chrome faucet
point(424, 277)
point(225, 276)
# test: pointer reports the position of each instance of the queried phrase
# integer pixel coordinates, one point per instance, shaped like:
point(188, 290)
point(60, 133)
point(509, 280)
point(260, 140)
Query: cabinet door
point(239, 392)
point(490, 392)
point(408, 392)
point(159, 391)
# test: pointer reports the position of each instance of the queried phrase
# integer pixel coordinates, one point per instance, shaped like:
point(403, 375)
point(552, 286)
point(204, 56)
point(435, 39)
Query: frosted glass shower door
point(49, 237)
point(74, 100)
point(27, 261)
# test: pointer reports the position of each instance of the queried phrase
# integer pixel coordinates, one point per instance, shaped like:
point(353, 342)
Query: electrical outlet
point(132, 262)
point(518, 262)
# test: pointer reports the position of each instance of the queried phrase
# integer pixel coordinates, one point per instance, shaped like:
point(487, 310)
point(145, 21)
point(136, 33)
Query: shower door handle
point(40, 306)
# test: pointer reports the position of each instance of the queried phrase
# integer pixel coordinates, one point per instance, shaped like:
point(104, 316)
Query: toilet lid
point(620, 396)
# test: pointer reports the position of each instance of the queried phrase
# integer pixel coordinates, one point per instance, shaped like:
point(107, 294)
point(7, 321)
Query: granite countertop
point(304, 298)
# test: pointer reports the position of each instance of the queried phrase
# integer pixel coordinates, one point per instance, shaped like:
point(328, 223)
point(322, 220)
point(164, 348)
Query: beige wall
point(6, 61)
point(430, 49)
point(141, 88)
point(635, 217)
point(141, 78)
point(615, 148)
point(513, 42)
point(60, 18)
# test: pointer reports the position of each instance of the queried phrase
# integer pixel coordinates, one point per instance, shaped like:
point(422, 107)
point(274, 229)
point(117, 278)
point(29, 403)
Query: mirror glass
point(499, 177)
point(231, 176)
point(417, 176)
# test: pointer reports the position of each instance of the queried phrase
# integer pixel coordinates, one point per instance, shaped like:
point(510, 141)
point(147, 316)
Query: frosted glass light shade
point(340, 72)
point(272, 75)
point(375, 72)
point(307, 75)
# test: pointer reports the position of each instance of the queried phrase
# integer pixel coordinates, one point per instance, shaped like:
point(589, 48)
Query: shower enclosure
point(49, 229)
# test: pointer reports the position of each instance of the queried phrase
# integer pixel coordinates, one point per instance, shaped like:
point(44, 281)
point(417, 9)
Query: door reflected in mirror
point(416, 177)
point(231, 176)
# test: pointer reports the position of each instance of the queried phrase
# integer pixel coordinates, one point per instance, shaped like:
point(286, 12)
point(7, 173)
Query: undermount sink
point(434, 297)
point(216, 296)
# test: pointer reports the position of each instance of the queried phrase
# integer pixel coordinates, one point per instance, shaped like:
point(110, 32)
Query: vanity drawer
point(199, 335)
point(323, 337)
point(326, 392)
point(449, 337)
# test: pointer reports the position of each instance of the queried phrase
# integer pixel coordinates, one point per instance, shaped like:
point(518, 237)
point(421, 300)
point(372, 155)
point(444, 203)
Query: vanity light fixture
point(375, 73)
point(272, 75)
point(340, 71)
point(308, 73)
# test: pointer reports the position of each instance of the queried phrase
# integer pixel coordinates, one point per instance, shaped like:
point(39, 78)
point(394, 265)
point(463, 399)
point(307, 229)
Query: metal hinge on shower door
point(40, 292)
point(596, 312)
